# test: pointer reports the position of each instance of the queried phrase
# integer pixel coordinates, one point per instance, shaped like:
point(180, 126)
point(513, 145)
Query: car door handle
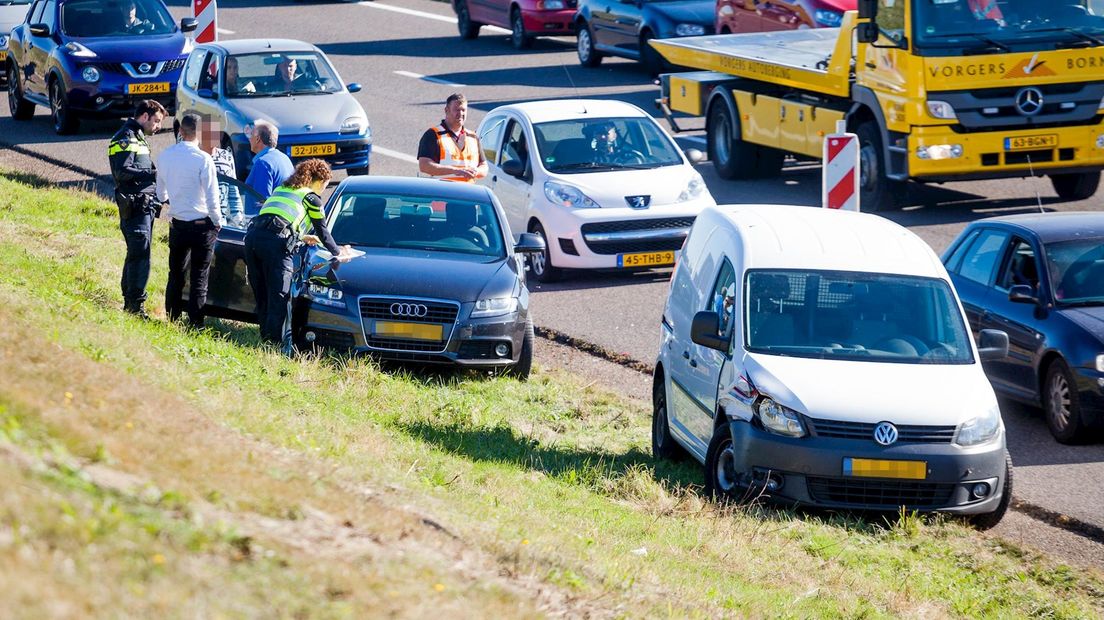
point(685, 355)
point(494, 178)
point(693, 363)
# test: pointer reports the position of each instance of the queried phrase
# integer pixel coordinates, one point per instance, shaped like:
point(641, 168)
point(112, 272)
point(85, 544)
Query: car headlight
point(828, 19)
point(567, 195)
point(693, 189)
point(1100, 363)
point(551, 5)
point(778, 419)
point(689, 30)
point(354, 124)
point(91, 74)
point(326, 295)
point(76, 49)
point(980, 429)
point(941, 109)
point(495, 306)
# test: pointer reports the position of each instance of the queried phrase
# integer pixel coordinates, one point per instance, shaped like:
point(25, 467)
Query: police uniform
point(135, 193)
point(269, 243)
point(442, 146)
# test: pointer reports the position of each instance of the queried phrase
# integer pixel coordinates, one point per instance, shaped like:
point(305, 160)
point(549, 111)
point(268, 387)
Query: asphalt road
point(408, 56)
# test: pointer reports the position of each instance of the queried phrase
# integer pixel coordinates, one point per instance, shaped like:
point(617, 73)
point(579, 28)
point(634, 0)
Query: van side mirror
point(993, 345)
point(705, 330)
point(513, 168)
point(529, 243)
point(694, 156)
point(39, 30)
point(188, 24)
point(1022, 294)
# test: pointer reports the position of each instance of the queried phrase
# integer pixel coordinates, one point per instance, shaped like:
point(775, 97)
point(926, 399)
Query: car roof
point(246, 46)
point(795, 237)
point(566, 109)
point(1051, 227)
point(416, 186)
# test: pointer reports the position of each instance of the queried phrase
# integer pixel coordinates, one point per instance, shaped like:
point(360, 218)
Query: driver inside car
point(131, 23)
point(609, 148)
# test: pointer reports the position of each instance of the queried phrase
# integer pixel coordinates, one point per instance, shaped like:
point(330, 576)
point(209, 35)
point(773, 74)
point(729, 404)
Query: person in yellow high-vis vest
point(450, 151)
point(281, 224)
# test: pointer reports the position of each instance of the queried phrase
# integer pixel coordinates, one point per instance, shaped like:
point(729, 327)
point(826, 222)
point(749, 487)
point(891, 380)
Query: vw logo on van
point(885, 433)
point(409, 310)
point(1029, 101)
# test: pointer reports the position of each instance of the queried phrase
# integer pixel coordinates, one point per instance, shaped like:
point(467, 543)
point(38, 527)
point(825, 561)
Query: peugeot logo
point(1029, 101)
point(419, 311)
point(638, 202)
point(885, 433)
point(144, 67)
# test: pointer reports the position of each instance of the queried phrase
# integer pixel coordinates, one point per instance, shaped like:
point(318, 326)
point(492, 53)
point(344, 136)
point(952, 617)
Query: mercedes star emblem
point(1029, 101)
point(411, 310)
point(885, 433)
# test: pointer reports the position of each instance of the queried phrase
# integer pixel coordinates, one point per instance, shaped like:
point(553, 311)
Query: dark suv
point(94, 58)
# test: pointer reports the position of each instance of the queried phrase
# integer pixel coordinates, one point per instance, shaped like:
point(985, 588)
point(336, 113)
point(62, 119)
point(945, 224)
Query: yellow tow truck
point(937, 91)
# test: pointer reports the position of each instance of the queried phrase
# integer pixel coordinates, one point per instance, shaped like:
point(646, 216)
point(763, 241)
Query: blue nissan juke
point(94, 58)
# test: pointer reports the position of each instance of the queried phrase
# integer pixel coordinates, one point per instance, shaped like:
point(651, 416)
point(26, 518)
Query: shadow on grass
point(37, 182)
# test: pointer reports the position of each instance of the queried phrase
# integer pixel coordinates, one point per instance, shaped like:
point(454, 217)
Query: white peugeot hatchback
point(601, 181)
point(823, 358)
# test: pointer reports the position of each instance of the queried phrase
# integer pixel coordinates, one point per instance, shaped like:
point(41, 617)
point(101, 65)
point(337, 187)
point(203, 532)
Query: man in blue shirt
point(270, 166)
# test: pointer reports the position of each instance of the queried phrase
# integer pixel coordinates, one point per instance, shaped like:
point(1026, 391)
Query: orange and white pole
point(206, 13)
point(840, 181)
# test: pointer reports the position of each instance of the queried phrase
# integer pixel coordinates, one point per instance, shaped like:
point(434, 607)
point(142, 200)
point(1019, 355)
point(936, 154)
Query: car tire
point(358, 172)
point(1062, 404)
point(664, 447)
point(521, 369)
point(989, 520)
point(20, 108)
point(876, 192)
point(722, 481)
point(65, 120)
point(584, 46)
point(732, 157)
point(1076, 186)
point(540, 264)
point(520, 39)
point(468, 29)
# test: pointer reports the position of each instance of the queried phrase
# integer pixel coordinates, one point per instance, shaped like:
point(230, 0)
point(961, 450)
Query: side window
point(982, 257)
point(194, 69)
point(515, 147)
point(723, 300)
point(490, 137)
point(1020, 268)
point(955, 260)
point(891, 17)
point(208, 75)
point(49, 15)
point(34, 16)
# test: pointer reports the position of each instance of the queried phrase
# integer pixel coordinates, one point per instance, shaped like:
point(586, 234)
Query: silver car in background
point(236, 82)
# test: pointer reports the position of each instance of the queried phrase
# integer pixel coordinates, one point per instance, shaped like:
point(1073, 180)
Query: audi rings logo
point(885, 433)
point(1029, 101)
point(418, 311)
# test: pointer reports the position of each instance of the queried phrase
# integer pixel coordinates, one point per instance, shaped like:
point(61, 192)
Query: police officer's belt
point(271, 222)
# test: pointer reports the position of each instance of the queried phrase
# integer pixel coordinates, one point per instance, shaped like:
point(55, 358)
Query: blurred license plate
point(3, 55)
point(313, 150)
point(148, 88)
point(1024, 143)
point(874, 468)
point(646, 259)
point(411, 331)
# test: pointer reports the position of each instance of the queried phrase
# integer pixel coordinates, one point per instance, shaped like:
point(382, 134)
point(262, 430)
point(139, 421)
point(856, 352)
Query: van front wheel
point(722, 480)
point(989, 520)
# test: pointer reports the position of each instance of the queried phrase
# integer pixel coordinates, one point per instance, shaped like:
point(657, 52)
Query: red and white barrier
point(840, 184)
point(206, 13)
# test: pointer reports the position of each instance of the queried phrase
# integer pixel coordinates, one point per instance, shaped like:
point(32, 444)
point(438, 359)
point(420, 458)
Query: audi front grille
point(408, 310)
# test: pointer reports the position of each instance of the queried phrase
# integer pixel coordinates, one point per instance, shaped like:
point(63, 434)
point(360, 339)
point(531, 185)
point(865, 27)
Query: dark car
point(526, 19)
point(94, 58)
point(623, 28)
point(1040, 278)
point(741, 16)
point(440, 282)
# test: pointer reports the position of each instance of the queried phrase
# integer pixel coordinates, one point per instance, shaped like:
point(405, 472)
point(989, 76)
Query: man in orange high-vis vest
point(449, 151)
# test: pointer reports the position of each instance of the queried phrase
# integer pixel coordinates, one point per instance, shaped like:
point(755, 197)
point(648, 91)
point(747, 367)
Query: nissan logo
point(144, 67)
point(885, 433)
point(418, 311)
point(1029, 101)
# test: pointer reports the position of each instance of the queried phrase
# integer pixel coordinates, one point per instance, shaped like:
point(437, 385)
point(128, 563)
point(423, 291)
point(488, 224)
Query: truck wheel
point(990, 520)
point(1062, 404)
point(524, 365)
point(722, 481)
point(1076, 186)
point(65, 121)
point(540, 264)
point(468, 29)
point(732, 157)
point(518, 37)
point(584, 46)
point(664, 446)
point(876, 192)
point(20, 108)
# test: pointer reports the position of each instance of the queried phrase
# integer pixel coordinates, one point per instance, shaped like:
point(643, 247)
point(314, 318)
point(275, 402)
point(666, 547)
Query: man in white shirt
point(189, 183)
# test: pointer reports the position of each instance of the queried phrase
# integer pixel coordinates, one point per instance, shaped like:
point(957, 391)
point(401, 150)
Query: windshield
point(115, 18)
point(279, 74)
point(1077, 272)
point(989, 26)
point(602, 144)
point(418, 223)
point(854, 316)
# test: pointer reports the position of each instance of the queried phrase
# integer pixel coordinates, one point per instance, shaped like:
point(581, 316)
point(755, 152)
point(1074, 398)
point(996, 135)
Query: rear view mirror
point(993, 345)
point(705, 330)
point(188, 24)
point(867, 32)
point(206, 93)
point(529, 243)
point(1022, 294)
point(513, 168)
point(694, 155)
point(354, 87)
point(39, 30)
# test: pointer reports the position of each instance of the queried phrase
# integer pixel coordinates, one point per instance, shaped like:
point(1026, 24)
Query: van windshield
point(854, 316)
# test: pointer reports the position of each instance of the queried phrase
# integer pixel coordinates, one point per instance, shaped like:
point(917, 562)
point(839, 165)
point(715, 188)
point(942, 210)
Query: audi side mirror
point(529, 243)
point(704, 330)
point(1023, 294)
point(993, 345)
point(188, 24)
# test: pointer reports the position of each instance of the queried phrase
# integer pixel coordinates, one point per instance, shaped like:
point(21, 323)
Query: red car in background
point(739, 16)
point(526, 19)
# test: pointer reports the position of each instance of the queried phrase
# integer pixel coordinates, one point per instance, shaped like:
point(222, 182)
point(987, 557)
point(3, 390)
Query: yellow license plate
point(313, 150)
point(1026, 143)
point(3, 55)
point(148, 88)
point(411, 331)
point(646, 259)
point(875, 468)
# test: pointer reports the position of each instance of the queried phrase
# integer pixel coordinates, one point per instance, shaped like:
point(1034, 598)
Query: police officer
point(136, 195)
point(270, 241)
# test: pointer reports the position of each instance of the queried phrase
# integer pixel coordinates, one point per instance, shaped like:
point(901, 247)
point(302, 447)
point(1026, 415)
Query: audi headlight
point(941, 109)
point(567, 196)
point(778, 419)
point(354, 124)
point(496, 306)
point(828, 19)
point(689, 30)
point(91, 74)
point(326, 295)
point(980, 429)
point(76, 49)
point(693, 189)
point(551, 5)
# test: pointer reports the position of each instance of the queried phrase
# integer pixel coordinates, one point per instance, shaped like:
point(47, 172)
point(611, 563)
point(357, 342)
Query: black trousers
point(268, 260)
point(137, 231)
point(191, 248)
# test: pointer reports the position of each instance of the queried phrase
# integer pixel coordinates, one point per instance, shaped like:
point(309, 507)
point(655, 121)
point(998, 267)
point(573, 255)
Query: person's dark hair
point(189, 125)
point(455, 97)
point(149, 106)
point(308, 172)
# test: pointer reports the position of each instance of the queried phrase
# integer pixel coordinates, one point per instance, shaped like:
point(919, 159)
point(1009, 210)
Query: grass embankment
point(146, 469)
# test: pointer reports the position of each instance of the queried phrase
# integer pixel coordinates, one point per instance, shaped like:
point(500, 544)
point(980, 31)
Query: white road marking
point(394, 154)
point(419, 76)
point(224, 31)
point(423, 14)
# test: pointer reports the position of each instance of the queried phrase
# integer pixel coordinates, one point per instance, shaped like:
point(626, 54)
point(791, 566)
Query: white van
point(823, 358)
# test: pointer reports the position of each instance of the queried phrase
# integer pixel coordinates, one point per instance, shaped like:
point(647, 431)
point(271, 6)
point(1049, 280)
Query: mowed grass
point(147, 469)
